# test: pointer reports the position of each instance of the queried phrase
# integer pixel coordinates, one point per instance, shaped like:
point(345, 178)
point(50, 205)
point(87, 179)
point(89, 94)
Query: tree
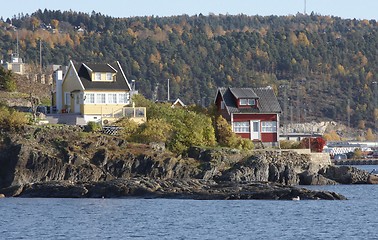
point(369, 135)
point(7, 81)
point(332, 136)
point(317, 144)
point(55, 23)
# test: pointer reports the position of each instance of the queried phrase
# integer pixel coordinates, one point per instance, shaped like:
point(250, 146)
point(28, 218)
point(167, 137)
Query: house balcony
point(111, 114)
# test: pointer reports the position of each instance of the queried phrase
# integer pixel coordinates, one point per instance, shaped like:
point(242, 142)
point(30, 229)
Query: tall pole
point(348, 113)
point(375, 111)
point(298, 104)
point(17, 50)
point(285, 110)
point(168, 90)
point(305, 7)
point(40, 56)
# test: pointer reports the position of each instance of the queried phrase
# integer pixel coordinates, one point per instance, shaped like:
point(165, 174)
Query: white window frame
point(243, 102)
point(109, 76)
point(98, 76)
point(241, 127)
point(123, 98)
point(251, 102)
point(269, 127)
point(89, 98)
point(222, 104)
point(100, 98)
point(112, 98)
point(67, 98)
point(247, 102)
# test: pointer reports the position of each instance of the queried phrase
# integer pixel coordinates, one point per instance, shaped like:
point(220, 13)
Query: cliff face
point(45, 154)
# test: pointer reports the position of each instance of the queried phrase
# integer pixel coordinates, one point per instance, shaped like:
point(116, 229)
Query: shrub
point(11, 119)
point(317, 144)
point(129, 128)
point(288, 144)
point(155, 130)
point(92, 127)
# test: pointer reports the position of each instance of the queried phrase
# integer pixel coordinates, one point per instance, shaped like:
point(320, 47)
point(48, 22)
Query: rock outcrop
point(66, 160)
point(173, 188)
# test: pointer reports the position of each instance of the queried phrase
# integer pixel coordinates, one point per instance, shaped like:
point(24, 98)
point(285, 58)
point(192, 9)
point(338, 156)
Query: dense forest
point(321, 67)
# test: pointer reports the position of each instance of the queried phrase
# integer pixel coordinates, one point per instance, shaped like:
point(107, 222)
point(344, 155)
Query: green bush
point(92, 127)
point(11, 119)
point(287, 144)
point(129, 128)
point(155, 130)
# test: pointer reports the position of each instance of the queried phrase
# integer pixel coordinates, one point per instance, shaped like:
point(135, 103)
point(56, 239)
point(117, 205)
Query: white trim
point(123, 74)
point(118, 99)
point(252, 129)
point(85, 65)
point(270, 131)
point(112, 67)
point(76, 74)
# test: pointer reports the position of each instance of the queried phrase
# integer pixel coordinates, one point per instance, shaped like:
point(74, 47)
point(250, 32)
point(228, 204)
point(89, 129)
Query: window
point(246, 101)
point(268, 126)
point(251, 102)
point(67, 98)
point(109, 76)
point(123, 98)
point(243, 101)
point(241, 127)
point(222, 105)
point(89, 98)
point(100, 98)
point(97, 76)
point(112, 98)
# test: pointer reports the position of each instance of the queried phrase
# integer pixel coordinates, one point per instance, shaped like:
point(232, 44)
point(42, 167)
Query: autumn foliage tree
point(316, 144)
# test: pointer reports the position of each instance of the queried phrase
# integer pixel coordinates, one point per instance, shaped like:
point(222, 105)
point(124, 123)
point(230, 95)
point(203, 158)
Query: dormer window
point(247, 102)
point(98, 76)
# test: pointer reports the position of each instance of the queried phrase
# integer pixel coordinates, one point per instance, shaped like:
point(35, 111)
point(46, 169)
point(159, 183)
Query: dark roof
point(267, 100)
point(120, 82)
point(243, 93)
point(100, 67)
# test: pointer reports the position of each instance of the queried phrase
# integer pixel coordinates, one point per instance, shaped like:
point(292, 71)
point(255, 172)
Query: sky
point(359, 9)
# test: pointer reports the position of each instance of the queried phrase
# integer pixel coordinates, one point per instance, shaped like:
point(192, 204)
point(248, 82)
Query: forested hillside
point(319, 62)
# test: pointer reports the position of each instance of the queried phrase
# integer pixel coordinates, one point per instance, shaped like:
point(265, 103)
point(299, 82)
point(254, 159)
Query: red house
point(252, 112)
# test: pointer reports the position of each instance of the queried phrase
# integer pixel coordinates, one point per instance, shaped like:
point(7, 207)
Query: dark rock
point(345, 174)
point(173, 188)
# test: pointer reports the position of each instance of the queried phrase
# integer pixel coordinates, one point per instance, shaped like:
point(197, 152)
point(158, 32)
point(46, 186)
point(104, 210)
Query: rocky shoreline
point(171, 189)
point(62, 162)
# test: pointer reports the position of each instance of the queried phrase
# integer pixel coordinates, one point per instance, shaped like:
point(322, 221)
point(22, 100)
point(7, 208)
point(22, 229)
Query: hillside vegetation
point(323, 61)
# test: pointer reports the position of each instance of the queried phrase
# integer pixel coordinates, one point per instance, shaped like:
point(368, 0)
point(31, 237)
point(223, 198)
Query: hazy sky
point(359, 9)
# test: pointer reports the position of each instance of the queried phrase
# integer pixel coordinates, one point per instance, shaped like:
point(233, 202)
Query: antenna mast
point(305, 7)
point(17, 50)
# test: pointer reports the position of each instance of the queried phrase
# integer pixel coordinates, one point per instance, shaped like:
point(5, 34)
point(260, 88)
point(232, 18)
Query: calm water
point(356, 218)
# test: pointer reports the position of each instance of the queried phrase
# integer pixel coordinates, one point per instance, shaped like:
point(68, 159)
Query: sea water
point(36, 218)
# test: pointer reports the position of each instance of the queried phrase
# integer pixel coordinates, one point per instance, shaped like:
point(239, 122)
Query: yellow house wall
point(97, 109)
point(70, 83)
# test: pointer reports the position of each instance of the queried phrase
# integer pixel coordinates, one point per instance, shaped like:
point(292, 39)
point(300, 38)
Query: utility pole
point(375, 111)
point(298, 103)
point(40, 56)
point(348, 113)
point(168, 90)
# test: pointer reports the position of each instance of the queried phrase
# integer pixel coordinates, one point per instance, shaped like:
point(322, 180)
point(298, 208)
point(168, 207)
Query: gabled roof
point(243, 93)
point(84, 72)
point(101, 67)
point(267, 100)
